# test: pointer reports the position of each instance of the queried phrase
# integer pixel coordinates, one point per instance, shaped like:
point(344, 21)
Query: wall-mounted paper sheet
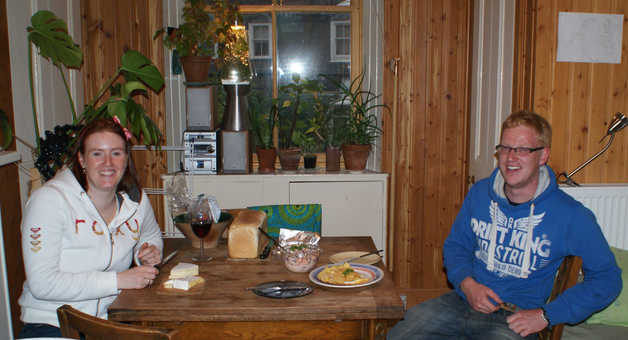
point(589, 37)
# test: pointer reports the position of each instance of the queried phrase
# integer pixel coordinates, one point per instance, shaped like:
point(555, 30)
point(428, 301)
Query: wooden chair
point(74, 323)
point(566, 277)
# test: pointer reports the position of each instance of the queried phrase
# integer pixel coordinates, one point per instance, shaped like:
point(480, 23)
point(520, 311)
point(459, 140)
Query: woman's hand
point(149, 254)
point(479, 296)
point(137, 277)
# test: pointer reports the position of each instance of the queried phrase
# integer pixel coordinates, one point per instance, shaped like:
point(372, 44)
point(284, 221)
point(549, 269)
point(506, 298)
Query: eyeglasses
point(519, 150)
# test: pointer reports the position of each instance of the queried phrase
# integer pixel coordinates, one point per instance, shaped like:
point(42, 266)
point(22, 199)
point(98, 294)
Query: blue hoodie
point(518, 260)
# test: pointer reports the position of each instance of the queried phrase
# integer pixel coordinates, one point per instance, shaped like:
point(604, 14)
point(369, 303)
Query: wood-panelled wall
point(578, 99)
point(110, 28)
point(432, 38)
point(11, 211)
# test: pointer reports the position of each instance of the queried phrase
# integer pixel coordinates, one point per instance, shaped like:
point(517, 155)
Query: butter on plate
point(184, 283)
point(183, 270)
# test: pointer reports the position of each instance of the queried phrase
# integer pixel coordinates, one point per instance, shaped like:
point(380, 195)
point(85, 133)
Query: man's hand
point(526, 322)
point(478, 296)
point(149, 254)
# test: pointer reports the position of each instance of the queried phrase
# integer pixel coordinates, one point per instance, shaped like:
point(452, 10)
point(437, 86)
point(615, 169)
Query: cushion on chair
point(616, 314)
point(306, 217)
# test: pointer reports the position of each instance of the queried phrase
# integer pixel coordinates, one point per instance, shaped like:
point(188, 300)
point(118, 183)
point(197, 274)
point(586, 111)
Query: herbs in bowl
point(300, 257)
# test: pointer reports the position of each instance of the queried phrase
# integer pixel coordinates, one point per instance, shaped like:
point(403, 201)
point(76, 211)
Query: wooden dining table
point(223, 308)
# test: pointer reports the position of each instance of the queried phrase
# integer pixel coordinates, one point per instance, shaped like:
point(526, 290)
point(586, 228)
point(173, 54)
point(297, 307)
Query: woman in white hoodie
point(82, 229)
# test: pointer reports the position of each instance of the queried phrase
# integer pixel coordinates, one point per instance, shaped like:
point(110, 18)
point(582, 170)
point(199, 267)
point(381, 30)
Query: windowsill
point(8, 157)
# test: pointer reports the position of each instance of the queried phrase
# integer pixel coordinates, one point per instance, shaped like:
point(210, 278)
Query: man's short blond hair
point(533, 120)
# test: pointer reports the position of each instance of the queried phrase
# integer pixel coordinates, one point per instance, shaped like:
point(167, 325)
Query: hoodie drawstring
point(492, 238)
point(525, 267)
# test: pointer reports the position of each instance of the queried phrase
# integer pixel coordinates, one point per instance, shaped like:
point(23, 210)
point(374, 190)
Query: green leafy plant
point(49, 34)
point(361, 125)
point(291, 119)
point(263, 115)
point(324, 124)
point(200, 31)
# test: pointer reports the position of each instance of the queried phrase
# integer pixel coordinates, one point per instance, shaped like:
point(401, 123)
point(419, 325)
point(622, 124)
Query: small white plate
point(344, 256)
point(373, 273)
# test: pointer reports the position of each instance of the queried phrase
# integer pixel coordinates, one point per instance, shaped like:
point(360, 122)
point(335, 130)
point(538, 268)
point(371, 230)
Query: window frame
point(334, 56)
point(252, 41)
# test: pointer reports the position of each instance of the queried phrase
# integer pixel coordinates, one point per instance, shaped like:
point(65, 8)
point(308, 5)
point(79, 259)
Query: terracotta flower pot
point(196, 68)
point(290, 158)
point(211, 240)
point(266, 159)
point(332, 154)
point(355, 156)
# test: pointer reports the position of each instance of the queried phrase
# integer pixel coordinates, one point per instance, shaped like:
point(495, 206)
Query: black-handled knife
point(166, 260)
point(163, 263)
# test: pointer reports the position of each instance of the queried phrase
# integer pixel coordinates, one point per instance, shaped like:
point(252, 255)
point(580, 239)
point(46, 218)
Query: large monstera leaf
point(136, 66)
point(50, 35)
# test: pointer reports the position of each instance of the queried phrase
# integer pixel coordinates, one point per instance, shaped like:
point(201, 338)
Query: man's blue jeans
point(451, 317)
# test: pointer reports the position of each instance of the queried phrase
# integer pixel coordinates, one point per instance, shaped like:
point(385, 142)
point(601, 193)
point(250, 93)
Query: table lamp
point(619, 122)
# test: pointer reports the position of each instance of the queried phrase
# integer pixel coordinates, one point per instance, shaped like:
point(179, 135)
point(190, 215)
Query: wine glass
point(201, 222)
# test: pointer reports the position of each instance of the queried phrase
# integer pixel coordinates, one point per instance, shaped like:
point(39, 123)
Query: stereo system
point(201, 152)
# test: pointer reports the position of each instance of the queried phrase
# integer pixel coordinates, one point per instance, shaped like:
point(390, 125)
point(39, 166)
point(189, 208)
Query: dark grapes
point(54, 150)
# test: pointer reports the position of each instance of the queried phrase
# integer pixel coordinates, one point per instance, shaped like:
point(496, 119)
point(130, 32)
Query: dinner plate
point(373, 273)
point(341, 257)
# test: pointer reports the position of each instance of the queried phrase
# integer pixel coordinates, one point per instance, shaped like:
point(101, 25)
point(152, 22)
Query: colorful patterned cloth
point(306, 217)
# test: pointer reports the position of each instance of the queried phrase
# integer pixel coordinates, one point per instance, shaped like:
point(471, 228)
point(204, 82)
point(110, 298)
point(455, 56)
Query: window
point(260, 41)
point(285, 37)
point(340, 41)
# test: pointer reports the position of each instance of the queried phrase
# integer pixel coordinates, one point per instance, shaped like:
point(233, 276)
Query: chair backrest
point(566, 277)
point(306, 217)
point(74, 323)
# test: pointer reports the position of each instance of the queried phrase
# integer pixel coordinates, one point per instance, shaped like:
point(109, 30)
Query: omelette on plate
point(341, 275)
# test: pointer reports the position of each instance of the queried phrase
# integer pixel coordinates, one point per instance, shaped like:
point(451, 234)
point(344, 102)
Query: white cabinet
point(354, 204)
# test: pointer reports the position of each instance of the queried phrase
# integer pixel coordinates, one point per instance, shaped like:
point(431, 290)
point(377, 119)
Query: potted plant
point(325, 127)
point(49, 34)
point(360, 129)
point(291, 123)
point(204, 26)
point(263, 117)
point(308, 144)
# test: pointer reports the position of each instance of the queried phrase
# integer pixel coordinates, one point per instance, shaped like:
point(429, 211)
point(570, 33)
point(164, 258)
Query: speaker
point(199, 107)
point(234, 151)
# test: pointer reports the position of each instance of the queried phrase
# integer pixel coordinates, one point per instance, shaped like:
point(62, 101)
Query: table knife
point(163, 263)
point(361, 256)
point(165, 260)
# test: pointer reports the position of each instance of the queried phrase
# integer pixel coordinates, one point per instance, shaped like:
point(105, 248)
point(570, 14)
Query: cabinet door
point(349, 208)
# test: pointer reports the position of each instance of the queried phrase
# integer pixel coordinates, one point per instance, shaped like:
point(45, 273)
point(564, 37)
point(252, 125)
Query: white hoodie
point(71, 255)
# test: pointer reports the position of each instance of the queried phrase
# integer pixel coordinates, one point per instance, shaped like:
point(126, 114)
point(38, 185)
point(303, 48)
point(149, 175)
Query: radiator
point(609, 203)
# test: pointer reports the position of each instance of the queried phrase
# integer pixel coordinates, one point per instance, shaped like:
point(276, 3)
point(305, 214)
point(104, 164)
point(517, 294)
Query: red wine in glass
point(201, 228)
point(201, 222)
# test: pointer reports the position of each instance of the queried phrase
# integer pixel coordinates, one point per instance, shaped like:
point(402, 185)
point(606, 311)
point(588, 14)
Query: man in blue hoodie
point(505, 246)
